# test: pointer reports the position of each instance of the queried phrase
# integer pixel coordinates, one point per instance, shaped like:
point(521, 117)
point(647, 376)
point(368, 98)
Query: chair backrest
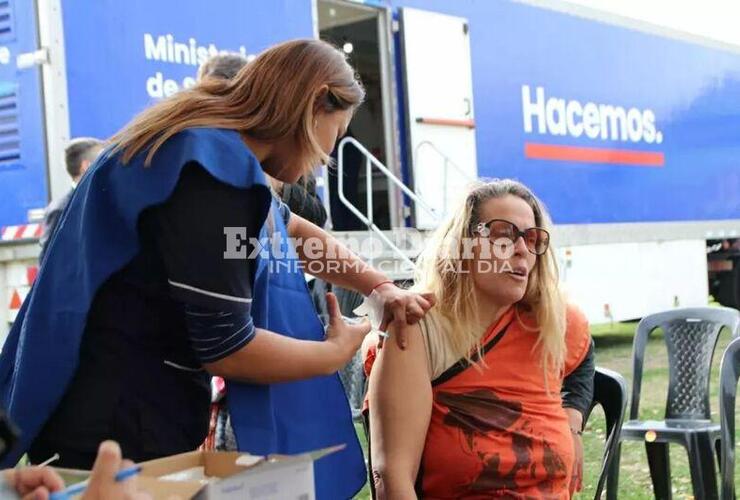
point(353, 380)
point(690, 335)
point(610, 391)
point(729, 373)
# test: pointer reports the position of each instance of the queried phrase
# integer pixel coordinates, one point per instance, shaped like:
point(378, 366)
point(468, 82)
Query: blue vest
point(297, 416)
point(97, 236)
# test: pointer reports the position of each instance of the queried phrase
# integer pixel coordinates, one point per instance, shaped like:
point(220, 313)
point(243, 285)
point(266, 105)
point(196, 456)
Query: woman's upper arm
point(400, 401)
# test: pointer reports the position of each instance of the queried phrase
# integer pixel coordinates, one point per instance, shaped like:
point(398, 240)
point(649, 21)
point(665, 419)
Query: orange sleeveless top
point(496, 431)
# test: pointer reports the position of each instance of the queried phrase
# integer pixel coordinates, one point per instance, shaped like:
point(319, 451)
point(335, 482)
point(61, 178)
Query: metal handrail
point(447, 162)
point(367, 219)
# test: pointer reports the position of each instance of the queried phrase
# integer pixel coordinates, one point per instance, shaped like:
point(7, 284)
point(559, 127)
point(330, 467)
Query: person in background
point(490, 397)
point(224, 66)
point(301, 197)
point(79, 154)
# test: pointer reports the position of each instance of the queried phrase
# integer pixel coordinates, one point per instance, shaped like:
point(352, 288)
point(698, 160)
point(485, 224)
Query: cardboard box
point(232, 475)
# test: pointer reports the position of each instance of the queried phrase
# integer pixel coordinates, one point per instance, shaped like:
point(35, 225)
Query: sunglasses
point(535, 239)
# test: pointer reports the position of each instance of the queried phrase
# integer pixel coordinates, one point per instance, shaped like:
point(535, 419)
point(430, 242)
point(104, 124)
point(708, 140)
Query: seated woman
point(475, 406)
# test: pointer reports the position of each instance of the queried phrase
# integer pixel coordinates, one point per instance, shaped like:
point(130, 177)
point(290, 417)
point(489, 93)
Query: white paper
point(248, 460)
point(372, 308)
point(191, 474)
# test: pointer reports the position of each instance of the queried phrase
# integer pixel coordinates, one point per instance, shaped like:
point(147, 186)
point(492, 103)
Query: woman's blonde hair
point(439, 266)
point(273, 98)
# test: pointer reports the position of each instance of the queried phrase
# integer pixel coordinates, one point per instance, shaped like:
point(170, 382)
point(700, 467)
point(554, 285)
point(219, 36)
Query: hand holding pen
point(111, 479)
point(104, 484)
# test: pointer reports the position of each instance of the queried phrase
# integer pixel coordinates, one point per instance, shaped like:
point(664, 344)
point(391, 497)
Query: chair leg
point(612, 475)
point(701, 463)
point(660, 469)
point(718, 450)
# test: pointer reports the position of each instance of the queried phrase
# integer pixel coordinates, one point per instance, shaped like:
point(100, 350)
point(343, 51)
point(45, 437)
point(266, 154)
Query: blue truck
point(629, 133)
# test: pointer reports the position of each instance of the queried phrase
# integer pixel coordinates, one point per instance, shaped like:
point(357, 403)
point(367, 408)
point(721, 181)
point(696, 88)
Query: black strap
point(464, 364)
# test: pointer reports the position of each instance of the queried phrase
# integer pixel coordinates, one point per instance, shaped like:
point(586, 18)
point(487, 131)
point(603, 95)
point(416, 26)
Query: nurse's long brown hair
point(273, 98)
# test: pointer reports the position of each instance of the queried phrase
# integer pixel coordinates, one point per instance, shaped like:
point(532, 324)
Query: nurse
point(155, 280)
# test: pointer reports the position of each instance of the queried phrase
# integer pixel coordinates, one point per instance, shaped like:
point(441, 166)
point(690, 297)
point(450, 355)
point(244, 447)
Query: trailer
point(628, 131)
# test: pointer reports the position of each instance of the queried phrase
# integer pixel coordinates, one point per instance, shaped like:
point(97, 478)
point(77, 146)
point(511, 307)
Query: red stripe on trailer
point(24, 232)
point(8, 233)
point(29, 231)
point(557, 152)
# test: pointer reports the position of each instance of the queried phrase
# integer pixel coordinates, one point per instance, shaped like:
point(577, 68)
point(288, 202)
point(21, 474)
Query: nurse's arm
point(327, 258)
point(400, 403)
point(270, 358)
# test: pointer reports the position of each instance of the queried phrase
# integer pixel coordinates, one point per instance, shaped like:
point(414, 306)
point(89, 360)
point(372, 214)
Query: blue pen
point(78, 488)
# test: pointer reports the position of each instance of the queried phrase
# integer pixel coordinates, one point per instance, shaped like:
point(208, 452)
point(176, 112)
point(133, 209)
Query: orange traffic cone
point(15, 300)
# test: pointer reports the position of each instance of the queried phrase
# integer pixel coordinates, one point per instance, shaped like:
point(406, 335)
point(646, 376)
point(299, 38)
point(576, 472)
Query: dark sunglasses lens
point(537, 240)
point(501, 229)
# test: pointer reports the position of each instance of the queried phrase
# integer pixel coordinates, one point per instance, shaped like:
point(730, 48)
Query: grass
point(614, 351)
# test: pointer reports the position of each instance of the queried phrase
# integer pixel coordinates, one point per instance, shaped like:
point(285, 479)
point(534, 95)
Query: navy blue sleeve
point(194, 236)
point(578, 387)
point(215, 335)
point(214, 287)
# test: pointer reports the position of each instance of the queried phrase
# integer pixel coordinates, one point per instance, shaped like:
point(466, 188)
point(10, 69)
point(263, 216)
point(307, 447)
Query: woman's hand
point(402, 307)
point(575, 421)
point(576, 479)
point(345, 338)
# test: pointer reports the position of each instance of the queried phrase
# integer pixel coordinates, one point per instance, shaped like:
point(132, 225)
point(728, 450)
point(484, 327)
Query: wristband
point(381, 284)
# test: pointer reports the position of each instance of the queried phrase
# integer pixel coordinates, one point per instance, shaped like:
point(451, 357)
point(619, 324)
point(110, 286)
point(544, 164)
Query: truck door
point(23, 181)
point(439, 108)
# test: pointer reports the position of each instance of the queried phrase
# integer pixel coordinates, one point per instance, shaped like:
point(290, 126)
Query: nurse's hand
point(402, 307)
point(103, 484)
point(345, 337)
